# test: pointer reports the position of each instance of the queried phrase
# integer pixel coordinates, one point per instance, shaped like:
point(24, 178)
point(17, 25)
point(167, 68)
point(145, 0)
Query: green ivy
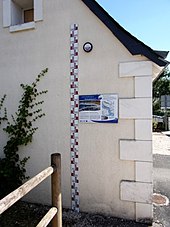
point(20, 132)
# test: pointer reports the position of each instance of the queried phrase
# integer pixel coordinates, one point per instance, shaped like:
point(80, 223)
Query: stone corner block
point(143, 129)
point(144, 213)
point(144, 171)
point(135, 108)
point(136, 192)
point(133, 150)
point(143, 87)
point(139, 68)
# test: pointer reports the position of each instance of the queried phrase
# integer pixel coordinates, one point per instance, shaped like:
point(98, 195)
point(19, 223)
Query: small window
point(22, 14)
point(21, 11)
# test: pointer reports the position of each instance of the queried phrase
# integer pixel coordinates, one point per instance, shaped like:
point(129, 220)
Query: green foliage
point(154, 125)
point(161, 86)
point(158, 126)
point(20, 132)
point(4, 117)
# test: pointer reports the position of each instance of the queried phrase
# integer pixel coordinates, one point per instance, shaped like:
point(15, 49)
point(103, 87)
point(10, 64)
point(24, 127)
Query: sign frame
point(98, 108)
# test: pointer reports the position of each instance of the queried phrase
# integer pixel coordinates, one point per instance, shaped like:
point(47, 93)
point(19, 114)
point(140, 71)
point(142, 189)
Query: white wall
point(25, 54)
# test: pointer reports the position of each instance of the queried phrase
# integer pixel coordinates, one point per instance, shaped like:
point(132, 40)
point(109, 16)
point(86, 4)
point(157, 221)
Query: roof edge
point(135, 46)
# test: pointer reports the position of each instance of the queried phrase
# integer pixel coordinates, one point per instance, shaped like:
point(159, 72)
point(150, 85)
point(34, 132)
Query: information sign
point(100, 108)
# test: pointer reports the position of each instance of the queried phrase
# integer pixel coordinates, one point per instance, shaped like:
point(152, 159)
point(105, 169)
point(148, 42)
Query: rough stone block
point(136, 192)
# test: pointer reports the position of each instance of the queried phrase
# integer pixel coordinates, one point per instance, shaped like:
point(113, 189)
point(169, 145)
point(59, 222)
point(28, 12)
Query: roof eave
point(135, 46)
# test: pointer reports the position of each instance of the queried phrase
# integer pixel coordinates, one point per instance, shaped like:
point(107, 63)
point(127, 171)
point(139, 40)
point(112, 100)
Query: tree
point(161, 86)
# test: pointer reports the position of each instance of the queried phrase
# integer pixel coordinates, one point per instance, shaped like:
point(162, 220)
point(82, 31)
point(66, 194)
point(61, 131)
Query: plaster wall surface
point(25, 54)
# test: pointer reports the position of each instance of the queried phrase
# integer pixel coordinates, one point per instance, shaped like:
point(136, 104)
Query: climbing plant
point(20, 132)
point(3, 115)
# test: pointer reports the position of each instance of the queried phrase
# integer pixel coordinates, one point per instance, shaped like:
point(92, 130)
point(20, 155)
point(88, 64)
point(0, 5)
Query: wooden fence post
point(56, 189)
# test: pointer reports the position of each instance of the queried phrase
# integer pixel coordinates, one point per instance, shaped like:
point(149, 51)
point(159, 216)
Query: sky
point(147, 20)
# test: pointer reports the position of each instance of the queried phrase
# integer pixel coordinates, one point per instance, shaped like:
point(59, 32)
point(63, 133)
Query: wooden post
point(56, 189)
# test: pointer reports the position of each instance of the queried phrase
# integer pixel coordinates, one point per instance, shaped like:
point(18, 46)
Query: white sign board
point(100, 108)
point(165, 102)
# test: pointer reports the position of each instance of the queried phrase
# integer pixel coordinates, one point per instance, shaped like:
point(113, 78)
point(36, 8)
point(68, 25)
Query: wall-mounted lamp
point(87, 47)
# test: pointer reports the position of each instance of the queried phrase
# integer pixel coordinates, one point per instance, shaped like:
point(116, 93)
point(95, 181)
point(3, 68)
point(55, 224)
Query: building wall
point(106, 170)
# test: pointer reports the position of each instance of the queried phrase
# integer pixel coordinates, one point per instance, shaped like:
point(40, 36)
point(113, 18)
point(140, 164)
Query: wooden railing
point(55, 213)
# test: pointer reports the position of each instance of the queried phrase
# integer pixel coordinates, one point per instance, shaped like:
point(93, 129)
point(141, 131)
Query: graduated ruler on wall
point(74, 113)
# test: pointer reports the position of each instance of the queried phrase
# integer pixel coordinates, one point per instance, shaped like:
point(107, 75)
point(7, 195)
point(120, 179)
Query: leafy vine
point(20, 132)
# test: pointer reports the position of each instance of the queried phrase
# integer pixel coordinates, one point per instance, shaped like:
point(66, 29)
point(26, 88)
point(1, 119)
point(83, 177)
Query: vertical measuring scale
point(74, 116)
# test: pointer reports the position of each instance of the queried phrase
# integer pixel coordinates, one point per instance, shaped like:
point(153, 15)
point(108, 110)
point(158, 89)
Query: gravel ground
point(161, 144)
point(161, 161)
point(28, 215)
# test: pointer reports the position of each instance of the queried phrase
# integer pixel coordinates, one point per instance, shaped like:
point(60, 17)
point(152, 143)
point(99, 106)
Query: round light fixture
point(87, 47)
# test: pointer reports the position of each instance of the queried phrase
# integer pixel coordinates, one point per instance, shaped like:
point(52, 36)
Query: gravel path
point(28, 215)
point(161, 144)
point(161, 176)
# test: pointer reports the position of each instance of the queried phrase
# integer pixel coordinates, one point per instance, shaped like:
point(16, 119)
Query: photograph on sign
point(100, 108)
